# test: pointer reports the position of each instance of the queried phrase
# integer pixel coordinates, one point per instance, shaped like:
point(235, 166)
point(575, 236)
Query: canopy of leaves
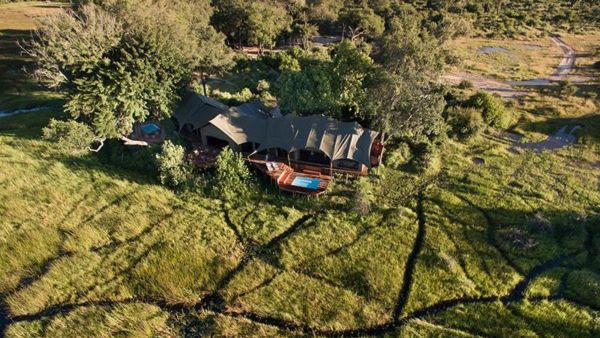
point(333, 85)
point(125, 60)
point(172, 167)
point(404, 100)
point(232, 178)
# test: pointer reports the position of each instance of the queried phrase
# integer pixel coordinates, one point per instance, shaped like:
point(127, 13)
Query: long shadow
point(407, 280)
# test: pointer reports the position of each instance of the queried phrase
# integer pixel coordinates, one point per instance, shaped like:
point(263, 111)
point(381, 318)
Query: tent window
point(346, 164)
point(313, 157)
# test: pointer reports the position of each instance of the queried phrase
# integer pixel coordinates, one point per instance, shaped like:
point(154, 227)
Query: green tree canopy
point(334, 85)
point(404, 100)
point(125, 61)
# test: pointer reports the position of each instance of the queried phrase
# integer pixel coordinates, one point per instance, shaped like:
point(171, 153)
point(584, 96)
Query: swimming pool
point(306, 182)
point(150, 128)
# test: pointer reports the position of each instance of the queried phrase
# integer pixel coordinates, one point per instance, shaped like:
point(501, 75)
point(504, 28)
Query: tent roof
point(197, 110)
point(251, 122)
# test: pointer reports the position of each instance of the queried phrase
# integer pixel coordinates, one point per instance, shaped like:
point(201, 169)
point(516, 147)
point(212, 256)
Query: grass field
point(507, 248)
point(524, 59)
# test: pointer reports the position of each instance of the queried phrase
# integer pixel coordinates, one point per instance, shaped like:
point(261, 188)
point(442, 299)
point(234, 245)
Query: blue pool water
point(306, 182)
point(150, 128)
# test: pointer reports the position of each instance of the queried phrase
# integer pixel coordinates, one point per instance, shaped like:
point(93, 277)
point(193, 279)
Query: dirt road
point(506, 89)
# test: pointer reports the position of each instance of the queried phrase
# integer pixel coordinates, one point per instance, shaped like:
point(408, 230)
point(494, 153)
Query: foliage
point(174, 171)
point(426, 158)
point(364, 196)
point(465, 84)
point(313, 84)
point(233, 178)
point(69, 136)
point(361, 20)
point(120, 63)
point(403, 102)
point(492, 108)
point(398, 155)
point(266, 21)
point(465, 123)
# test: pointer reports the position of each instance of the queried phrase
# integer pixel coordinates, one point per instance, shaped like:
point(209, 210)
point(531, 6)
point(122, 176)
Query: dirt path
point(506, 89)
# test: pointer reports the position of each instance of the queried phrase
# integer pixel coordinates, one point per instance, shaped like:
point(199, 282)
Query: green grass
point(77, 231)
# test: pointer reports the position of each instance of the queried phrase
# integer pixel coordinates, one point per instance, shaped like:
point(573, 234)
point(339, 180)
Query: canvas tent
point(251, 123)
point(197, 110)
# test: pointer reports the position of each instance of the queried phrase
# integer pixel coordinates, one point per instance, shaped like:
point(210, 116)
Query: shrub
point(135, 158)
point(233, 176)
point(427, 158)
point(240, 97)
point(465, 123)
point(363, 196)
point(465, 84)
point(492, 108)
point(398, 156)
point(173, 169)
point(70, 136)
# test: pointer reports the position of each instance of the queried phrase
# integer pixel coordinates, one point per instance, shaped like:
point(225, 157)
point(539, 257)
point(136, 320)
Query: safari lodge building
point(300, 154)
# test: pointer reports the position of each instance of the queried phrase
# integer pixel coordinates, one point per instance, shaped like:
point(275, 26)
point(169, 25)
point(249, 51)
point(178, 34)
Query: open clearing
point(505, 67)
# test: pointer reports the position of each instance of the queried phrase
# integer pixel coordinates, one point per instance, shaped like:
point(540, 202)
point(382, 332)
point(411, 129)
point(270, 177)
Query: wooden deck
point(283, 175)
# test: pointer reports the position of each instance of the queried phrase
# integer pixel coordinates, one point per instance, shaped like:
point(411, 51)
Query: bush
point(136, 158)
point(492, 108)
point(241, 97)
point(233, 176)
point(398, 156)
point(465, 123)
point(70, 136)
point(363, 196)
point(173, 169)
point(465, 84)
point(427, 158)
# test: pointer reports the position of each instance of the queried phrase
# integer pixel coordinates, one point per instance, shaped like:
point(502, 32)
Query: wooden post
point(382, 147)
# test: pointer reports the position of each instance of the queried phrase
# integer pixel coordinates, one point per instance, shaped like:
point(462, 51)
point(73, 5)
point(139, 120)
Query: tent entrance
point(312, 156)
point(216, 143)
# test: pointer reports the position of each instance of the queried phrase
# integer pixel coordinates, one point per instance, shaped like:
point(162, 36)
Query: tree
point(316, 84)
point(350, 69)
point(308, 90)
point(266, 21)
point(173, 169)
point(492, 108)
point(70, 136)
point(403, 100)
point(361, 21)
point(123, 66)
point(233, 176)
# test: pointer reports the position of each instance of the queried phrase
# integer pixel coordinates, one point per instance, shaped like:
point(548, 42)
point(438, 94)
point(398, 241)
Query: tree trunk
point(203, 80)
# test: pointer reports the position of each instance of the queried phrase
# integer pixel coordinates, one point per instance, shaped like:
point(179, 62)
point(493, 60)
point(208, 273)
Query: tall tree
point(266, 21)
point(404, 100)
point(361, 21)
point(122, 66)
